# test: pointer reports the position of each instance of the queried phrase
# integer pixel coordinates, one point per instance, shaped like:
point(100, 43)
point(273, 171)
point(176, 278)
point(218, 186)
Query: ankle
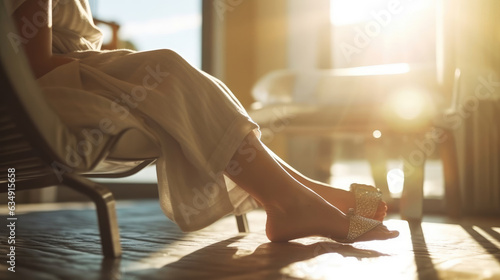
point(294, 202)
point(282, 203)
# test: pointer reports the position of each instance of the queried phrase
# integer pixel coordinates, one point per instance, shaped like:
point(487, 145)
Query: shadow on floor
point(489, 246)
point(423, 260)
point(221, 260)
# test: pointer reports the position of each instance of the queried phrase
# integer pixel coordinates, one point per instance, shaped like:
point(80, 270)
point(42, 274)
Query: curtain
point(469, 40)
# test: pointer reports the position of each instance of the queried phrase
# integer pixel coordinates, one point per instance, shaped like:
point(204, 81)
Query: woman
point(212, 162)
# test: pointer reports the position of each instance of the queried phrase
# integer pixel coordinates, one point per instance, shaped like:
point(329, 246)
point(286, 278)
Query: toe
point(380, 216)
point(381, 211)
point(384, 233)
point(380, 232)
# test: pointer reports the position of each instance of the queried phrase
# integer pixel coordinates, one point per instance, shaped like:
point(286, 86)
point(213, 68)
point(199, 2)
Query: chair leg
point(412, 197)
point(106, 212)
point(242, 222)
point(377, 157)
point(451, 182)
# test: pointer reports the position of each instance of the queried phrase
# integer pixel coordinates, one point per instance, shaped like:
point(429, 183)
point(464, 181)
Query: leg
point(448, 154)
point(412, 197)
point(242, 223)
point(106, 213)
point(341, 199)
point(377, 157)
point(293, 210)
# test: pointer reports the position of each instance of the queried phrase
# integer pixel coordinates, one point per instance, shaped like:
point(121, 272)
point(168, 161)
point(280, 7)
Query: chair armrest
point(115, 27)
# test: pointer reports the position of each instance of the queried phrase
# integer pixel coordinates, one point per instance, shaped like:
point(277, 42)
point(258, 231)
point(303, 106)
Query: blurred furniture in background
point(474, 121)
point(468, 40)
point(390, 108)
point(114, 41)
point(111, 32)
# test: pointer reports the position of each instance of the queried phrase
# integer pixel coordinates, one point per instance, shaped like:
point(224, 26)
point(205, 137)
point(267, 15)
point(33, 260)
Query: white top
point(72, 30)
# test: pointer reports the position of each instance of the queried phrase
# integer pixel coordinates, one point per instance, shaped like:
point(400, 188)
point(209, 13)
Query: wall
point(248, 41)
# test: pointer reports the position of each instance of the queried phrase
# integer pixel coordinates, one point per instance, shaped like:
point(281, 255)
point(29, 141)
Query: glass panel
point(156, 24)
point(150, 25)
point(370, 32)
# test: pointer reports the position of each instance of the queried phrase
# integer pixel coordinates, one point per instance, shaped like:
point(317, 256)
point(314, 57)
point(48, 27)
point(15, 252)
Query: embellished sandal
point(358, 226)
point(367, 200)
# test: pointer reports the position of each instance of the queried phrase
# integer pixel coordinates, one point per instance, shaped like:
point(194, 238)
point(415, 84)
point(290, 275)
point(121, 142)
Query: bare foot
point(342, 199)
point(307, 214)
point(293, 210)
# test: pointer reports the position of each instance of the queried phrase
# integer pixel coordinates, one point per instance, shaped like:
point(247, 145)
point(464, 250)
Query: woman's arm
point(34, 22)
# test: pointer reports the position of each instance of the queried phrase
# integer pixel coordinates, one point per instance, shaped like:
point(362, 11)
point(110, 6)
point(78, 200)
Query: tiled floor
point(61, 242)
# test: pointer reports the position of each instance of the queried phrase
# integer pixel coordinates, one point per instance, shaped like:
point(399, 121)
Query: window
point(380, 32)
point(156, 24)
point(372, 32)
point(150, 25)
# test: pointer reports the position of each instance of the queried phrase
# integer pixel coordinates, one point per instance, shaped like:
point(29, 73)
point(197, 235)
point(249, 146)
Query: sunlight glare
point(395, 180)
point(408, 104)
point(377, 134)
point(345, 12)
point(383, 69)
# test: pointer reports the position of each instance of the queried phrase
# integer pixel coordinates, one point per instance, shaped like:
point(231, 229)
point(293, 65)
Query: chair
point(114, 41)
point(473, 119)
point(359, 103)
point(33, 141)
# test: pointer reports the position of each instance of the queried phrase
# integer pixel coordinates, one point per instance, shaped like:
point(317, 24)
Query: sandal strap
point(367, 199)
point(359, 225)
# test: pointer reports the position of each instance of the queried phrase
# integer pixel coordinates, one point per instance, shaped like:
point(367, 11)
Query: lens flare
point(408, 104)
point(377, 134)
